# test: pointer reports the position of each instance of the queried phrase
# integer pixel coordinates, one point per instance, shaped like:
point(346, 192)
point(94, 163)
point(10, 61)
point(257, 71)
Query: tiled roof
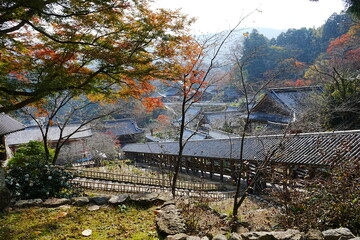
point(34, 134)
point(265, 117)
point(302, 149)
point(194, 135)
point(217, 117)
point(221, 117)
point(172, 91)
point(190, 115)
point(231, 108)
point(218, 134)
point(9, 125)
point(120, 127)
point(294, 98)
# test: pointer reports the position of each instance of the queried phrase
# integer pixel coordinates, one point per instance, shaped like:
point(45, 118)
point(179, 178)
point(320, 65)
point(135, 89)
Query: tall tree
point(107, 48)
point(339, 71)
point(335, 26)
point(260, 63)
point(193, 77)
point(250, 95)
point(301, 44)
point(68, 115)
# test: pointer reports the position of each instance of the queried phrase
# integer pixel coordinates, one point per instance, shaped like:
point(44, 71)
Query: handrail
point(151, 181)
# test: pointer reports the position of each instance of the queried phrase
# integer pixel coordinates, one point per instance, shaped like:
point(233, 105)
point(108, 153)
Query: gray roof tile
point(294, 97)
point(121, 127)
point(34, 134)
point(9, 125)
point(308, 148)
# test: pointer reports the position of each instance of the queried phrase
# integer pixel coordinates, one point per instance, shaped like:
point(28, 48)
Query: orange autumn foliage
point(112, 52)
point(298, 83)
point(163, 119)
point(152, 103)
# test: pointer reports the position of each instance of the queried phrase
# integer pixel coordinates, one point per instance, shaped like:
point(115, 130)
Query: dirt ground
point(205, 217)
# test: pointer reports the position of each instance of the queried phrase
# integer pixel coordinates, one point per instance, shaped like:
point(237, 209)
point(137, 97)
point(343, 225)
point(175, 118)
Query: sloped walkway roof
point(324, 148)
point(9, 125)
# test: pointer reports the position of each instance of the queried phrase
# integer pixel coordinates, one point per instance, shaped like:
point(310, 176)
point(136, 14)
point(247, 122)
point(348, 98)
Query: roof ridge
point(274, 135)
point(294, 88)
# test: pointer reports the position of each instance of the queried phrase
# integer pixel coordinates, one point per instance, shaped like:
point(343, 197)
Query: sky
point(219, 15)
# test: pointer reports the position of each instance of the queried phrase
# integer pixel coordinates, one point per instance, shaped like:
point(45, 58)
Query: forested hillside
point(292, 52)
point(327, 56)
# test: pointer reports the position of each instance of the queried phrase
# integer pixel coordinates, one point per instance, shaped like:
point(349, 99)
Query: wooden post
point(192, 166)
point(247, 173)
point(211, 168)
point(311, 172)
point(222, 170)
point(187, 166)
point(182, 163)
point(202, 166)
point(285, 185)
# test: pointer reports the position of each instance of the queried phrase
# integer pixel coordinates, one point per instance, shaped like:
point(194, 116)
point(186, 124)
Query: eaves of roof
point(9, 125)
point(323, 148)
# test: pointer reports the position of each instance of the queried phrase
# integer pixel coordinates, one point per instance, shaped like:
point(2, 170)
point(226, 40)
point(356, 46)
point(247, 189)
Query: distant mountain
point(269, 32)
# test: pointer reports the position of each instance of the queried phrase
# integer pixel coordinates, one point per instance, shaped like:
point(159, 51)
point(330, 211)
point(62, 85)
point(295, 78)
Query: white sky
point(214, 15)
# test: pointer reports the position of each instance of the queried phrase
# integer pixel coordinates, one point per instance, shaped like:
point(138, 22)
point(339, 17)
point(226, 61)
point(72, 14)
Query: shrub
point(28, 175)
point(30, 152)
point(329, 202)
point(199, 218)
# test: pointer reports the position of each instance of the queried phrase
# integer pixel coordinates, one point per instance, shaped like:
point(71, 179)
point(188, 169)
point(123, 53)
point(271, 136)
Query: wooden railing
point(149, 181)
point(131, 188)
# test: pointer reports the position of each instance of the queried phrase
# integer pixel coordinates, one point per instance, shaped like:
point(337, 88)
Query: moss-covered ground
point(130, 221)
point(125, 222)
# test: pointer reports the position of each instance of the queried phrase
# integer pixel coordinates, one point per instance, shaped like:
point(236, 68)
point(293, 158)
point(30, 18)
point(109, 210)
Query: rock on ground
point(86, 232)
point(193, 238)
point(168, 219)
point(234, 236)
point(338, 234)
point(179, 236)
point(144, 197)
point(314, 234)
point(118, 199)
point(93, 207)
point(28, 203)
point(219, 237)
point(164, 197)
point(99, 200)
point(80, 201)
point(55, 202)
point(289, 234)
point(257, 236)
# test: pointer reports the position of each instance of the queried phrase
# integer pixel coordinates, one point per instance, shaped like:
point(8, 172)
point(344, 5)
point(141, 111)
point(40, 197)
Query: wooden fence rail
point(130, 188)
point(149, 181)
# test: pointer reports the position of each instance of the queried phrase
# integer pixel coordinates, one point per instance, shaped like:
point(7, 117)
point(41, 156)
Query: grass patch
point(107, 223)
